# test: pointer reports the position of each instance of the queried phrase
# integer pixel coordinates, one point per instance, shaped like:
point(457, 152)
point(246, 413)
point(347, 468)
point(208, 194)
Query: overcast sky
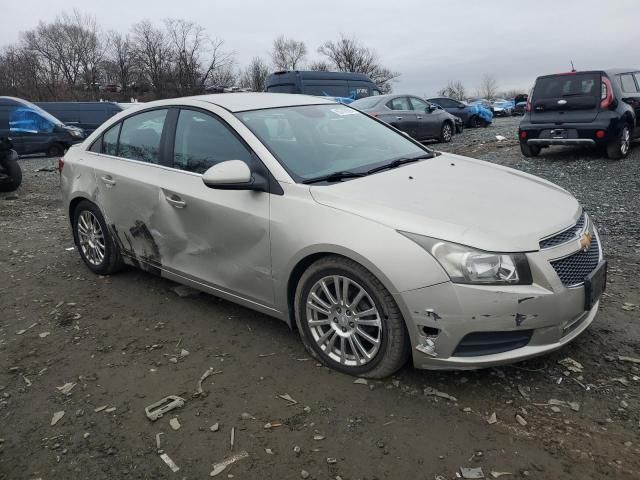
point(428, 42)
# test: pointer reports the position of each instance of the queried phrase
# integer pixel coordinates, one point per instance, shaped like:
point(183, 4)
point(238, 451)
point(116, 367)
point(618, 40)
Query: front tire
point(348, 320)
point(97, 247)
point(529, 151)
point(56, 150)
point(620, 146)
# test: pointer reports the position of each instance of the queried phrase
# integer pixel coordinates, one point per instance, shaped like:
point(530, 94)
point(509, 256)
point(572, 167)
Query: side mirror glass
point(230, 173)
point(431, 108)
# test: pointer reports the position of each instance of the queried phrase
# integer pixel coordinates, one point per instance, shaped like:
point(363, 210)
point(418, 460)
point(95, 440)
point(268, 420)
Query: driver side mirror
point(431, 108)
point(233, 175)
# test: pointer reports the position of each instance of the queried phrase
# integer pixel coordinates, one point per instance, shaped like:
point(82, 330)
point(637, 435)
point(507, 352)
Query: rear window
point(580, 84)
point(281, 89)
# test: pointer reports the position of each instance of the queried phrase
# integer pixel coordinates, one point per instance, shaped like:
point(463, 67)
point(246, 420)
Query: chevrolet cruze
point(372, 246)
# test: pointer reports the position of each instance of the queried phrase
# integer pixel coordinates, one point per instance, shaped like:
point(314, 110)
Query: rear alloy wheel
point(620, 146)
point(348, 320)
point(94, 242)
point(446, 134)
point(529, 151)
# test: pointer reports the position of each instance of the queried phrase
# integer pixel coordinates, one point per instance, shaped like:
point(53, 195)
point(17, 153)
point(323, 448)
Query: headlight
point(76, 133)
point(467, 265)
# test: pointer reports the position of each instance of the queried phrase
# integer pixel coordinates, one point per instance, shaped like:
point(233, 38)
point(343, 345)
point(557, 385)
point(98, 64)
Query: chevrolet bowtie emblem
point(585, 241)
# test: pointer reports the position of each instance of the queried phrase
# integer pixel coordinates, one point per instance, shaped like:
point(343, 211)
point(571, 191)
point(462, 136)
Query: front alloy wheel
point(348, 320)
point(343, 320)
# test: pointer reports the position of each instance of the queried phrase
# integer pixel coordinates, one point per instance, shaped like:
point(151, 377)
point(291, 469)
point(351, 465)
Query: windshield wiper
point(400, 161)
point(334, 177)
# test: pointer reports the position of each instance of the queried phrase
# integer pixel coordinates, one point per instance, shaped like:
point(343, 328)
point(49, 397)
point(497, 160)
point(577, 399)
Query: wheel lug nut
point(344, 329)
point(335, 320)
point(351, 324)
point(338, 310)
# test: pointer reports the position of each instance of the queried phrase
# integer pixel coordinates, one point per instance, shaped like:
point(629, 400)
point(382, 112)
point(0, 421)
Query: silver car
point(374, 247)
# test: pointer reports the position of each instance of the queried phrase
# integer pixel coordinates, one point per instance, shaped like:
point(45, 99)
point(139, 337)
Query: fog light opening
point(430, 331)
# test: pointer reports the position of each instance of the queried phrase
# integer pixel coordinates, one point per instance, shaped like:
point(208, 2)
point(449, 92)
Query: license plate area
point(558, 133)
point(594, 285)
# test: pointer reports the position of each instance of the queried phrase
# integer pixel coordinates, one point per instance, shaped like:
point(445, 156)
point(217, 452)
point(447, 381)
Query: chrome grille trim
point(565, 236)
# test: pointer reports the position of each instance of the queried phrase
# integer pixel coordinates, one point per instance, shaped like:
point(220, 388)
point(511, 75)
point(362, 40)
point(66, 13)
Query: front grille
point(564, 236)
point(490, 343)
point(573, 269)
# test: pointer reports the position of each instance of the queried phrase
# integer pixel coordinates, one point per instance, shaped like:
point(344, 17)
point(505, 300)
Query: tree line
point(488, 89)
point(72, 58)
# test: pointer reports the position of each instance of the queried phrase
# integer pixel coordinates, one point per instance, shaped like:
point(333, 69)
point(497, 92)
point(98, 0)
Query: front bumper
point(548, 314)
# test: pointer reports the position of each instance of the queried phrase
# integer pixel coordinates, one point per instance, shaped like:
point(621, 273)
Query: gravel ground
point(120, 341)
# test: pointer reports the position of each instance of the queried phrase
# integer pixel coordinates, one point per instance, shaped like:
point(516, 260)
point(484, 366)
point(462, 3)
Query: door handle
point(398, 118)
point(419, 118)
point(175, 201)
point(108, 181)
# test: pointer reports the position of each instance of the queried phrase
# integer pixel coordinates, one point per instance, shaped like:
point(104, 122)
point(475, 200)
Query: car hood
point(460, 200)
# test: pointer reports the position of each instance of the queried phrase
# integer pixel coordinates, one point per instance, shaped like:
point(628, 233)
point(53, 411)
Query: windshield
point(313, 141)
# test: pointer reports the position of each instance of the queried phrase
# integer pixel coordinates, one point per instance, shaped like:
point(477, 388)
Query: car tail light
point(606, 93)
point(60, 164)
point(600, 134)
point(528, 107)
point(523, 134)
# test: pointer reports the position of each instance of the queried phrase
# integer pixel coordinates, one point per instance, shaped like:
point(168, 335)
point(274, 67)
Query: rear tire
point(475, 122)
point(529, 151)
point(620, 146)
point(12, 170)
point(446, 133)
point(323, 333)
point(97, 247)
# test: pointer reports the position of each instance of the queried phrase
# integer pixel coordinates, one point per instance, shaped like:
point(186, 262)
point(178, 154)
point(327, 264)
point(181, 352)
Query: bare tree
point(320, 66)
point(488, 87)
point(287, 53)
point(121, 59)
point(454, 89)
point(255, 75)
point(153, 51)
point(349, 55)
point(186, 41)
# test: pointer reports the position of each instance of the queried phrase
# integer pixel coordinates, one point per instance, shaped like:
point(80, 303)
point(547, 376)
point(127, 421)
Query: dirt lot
point(128, 340)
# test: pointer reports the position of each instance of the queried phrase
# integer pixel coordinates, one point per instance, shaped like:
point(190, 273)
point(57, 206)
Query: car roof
point(243, 101)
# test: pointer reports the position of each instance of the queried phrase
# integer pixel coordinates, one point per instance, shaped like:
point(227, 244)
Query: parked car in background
point(592, 108)
point(520, 108)
point(33, 130)
point(471, 115)
point(413, 115)
point(375, 247)
point(344, 87)
point(85, 115)
point(502, 107)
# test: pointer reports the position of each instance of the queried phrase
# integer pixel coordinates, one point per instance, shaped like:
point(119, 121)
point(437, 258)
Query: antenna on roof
point(573, 69)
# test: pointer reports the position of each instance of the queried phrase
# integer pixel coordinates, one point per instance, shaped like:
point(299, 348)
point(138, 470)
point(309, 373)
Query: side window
point(202, 141)
point(140, 136)
point(418, 104)
point(628, 83)
point(110, 140)
point(400, 103)
point(637, 76)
